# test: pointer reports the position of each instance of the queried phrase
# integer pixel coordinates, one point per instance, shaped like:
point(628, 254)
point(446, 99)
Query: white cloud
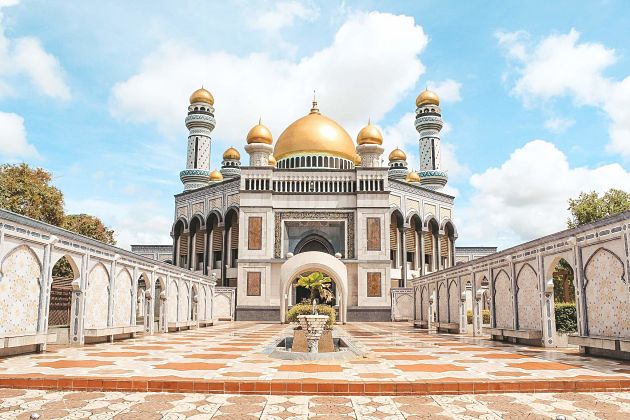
point(7, 3)
point(559, 125)
point(402, 135)
point(447, 90)
point(517, 202)
point(282, 14)
point(134, 222)
point(13, 141)
point(560, 65)
point(26, 57)
point(372, 62)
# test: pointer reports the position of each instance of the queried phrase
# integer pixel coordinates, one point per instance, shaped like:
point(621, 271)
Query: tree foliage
point(566, 317)
point(90, 226)
point(27, 191)
point(589, 207)
point(317, 284)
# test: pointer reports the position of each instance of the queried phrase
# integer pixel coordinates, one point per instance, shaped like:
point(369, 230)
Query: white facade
point(378, 228)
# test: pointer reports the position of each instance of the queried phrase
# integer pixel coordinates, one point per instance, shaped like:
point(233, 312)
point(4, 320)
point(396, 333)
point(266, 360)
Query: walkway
point(230, 358)
point(118, 405)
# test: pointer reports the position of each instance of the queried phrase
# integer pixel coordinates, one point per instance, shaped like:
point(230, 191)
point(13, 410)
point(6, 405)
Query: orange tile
point(191, 366)
point(310, 368)
point(541, 366)
point(76, 363)
point(427, 367)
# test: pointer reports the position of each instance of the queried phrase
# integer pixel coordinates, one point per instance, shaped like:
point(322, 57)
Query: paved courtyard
point(233, 358)
point(119, 405)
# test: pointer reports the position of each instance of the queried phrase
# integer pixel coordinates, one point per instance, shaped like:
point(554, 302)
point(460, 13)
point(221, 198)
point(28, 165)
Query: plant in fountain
point(318, 286)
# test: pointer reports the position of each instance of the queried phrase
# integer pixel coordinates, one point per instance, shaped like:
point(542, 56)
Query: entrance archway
point(310, 261)
point(314, 242)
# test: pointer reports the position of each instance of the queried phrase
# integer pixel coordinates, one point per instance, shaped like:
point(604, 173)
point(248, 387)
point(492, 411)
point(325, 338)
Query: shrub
point(306, 309)
point(485, 314)
point(566, 317)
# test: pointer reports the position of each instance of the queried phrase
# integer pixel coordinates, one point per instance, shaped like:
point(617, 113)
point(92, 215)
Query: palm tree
point(317, 284)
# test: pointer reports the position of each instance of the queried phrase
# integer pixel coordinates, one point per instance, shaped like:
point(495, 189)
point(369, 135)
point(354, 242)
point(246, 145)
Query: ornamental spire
point(315, 108)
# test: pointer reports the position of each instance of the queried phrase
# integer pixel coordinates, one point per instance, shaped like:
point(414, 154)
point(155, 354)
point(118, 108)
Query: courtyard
point(233, 358)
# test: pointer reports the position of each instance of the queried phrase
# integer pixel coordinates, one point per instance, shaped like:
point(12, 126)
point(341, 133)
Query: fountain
point(316, 338)
point(313, 326)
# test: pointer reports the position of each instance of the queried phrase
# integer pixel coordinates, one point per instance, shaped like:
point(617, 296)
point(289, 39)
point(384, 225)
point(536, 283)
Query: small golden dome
point(370, 134)
point(357, 160)
point(202, 95)
point(397, 154)
point(216, 176)
point(413, 177)
point(427, 97)
point(272, 161)
point(315, 133)
point(231, 154)
point(259, 134)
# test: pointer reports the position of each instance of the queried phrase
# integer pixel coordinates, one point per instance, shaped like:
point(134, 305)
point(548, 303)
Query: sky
point(535, 96)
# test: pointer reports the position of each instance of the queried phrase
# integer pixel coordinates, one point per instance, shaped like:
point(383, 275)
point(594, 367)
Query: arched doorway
point(158, 305)
point(64, 272)
point(143, 308)
point(314, 243)
point(308, 262)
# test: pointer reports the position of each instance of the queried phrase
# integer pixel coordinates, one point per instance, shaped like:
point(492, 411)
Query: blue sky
point(536, 96)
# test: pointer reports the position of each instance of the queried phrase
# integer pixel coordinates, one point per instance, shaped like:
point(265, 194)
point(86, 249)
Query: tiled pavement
point(231, 358)
point(16, 403)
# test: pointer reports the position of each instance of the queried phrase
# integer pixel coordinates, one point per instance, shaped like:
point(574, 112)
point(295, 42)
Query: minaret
point(258, 145)
point(231, 165)
point(397, 165)
point(200, 123)
point(429, 123)
point(369, 149)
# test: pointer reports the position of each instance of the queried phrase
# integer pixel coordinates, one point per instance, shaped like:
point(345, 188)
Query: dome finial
point(259, 120)
point(369, 120)
point(315, 108)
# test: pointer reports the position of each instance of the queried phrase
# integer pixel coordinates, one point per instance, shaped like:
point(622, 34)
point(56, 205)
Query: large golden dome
point(259, 134)
point(202, 95)
point(427, 97)
point(315, 134)
point(370, 134)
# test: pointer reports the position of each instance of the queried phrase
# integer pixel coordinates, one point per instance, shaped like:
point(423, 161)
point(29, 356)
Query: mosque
point(312, 200)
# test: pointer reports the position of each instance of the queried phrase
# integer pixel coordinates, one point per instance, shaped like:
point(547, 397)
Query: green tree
point(27, 191)
point(589, 207)
point(91, 226)
point(317, 284)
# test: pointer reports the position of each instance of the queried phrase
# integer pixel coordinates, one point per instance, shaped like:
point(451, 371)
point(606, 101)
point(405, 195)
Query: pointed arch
point(97, 297)
point(606, 287)
point(123, 297)
point(528, 298)
point(503, 300)
point(20, 285)
point(182, 309)
point(173, 301)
